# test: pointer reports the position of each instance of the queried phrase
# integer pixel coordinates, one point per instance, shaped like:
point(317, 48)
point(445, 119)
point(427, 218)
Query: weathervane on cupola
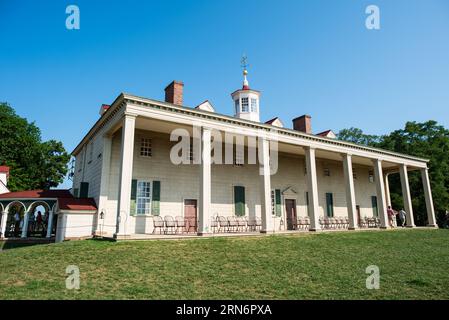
point(246, 101)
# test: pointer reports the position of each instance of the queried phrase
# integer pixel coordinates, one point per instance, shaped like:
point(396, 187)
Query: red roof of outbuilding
point(65, 199)
point(37, 194)
point(87, 204)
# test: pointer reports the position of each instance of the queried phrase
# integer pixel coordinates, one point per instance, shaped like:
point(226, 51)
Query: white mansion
point(123, 164)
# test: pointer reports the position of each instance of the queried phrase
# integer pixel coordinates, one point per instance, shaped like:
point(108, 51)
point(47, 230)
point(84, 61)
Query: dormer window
point(253, 105)
point(245, 105)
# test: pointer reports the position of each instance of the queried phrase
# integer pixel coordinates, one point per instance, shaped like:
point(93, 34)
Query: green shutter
point(277, 202)
point(307, 203)
point(133, 196)
point(239, 200)
point(330, 204)
point(84, 190)
point(156, 198)
point(374, 205)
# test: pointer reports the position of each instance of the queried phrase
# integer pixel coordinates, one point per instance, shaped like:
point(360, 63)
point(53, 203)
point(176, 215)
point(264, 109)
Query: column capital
point(208, 129)
point(129, 115)
point(309, 148)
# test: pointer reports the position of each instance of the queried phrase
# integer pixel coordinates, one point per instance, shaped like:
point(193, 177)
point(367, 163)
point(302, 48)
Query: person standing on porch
point(391, 216)
point(16, 224)
point(402, 216)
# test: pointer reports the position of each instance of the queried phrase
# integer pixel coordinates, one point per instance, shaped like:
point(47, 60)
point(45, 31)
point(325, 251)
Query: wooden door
point(190, 214)
point(290, 209)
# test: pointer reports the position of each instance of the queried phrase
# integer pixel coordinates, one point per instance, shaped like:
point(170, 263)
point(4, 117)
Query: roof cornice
point(261, 126)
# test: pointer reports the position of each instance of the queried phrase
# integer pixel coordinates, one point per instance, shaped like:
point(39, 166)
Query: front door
point(290, 209)
point(190, 214)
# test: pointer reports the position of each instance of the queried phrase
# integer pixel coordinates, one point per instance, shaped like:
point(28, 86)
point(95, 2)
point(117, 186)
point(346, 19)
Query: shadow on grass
point(14, 244)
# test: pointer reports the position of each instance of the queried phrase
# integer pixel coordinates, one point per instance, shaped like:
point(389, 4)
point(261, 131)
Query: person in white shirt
point(402, 216)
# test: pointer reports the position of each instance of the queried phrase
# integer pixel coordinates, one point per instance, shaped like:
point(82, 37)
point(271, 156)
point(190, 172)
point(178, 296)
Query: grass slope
point(413, 265)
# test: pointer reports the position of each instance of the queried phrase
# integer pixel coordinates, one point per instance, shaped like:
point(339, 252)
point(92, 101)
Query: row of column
point(126, 168)
point(4, 220)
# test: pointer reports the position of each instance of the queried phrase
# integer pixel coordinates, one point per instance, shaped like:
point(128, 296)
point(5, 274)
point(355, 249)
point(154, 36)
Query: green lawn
point(413, 265)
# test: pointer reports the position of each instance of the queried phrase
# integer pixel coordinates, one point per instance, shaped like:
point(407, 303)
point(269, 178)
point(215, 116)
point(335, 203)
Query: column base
point(432, 226)
point(413, 226)
point(202, 234)
point(266, 231)
point(121, 236)
point(315, 229)
point(353, 228)
point(384, 228)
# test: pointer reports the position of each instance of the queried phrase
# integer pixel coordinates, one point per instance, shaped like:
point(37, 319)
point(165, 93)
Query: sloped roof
point(65, 199)
point(37, 194)
point(78, 204)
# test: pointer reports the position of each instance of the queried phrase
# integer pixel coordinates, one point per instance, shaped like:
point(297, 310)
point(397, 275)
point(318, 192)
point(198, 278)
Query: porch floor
point(137, 236)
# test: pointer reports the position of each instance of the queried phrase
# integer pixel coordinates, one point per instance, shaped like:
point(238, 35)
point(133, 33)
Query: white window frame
point(146, 197)
point(146, 147)
point(371, 176)
point(253, 105)
point(245, 104)
point(237, 106)
point(239, 157)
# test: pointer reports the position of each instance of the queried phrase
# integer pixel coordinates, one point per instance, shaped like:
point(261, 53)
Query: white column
point(126, 171)
point(104, 182)
point(205, 183)
point(432, 222)
point(350, 193)
point(50, 224)
point(387, 190)
point(25, 225)
point(406, 196)
point(380, 188)
point(312, 187)
point(4, 219)
point(265, 179)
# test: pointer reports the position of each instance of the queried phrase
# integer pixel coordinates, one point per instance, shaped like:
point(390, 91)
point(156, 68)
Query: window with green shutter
point(277, 206)
point(307, 203)
point(84, 190)
point(239, 200)
point(132, 209)
point(374, 205)
point(156, 199)
point(330, 204)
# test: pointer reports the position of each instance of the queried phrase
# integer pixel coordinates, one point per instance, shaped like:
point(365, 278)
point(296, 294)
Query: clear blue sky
point(312, 57)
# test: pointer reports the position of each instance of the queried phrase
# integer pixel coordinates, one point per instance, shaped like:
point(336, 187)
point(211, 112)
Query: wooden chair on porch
point(241, 224)
point(222, 224)
point(232, 224)
point(180, 224)
point(170, 225)
point(158, 223)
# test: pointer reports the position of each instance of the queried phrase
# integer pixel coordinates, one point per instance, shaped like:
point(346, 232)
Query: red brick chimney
point(173, 92)
point(303, 124)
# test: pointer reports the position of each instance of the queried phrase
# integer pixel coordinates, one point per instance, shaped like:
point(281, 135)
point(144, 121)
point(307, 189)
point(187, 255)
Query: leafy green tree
point(356, 135)
point(426, 140)
point(34, 164)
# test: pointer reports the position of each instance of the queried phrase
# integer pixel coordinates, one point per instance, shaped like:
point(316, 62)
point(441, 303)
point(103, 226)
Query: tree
point(356, 135)
point(426, 140)
point(34, 164)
